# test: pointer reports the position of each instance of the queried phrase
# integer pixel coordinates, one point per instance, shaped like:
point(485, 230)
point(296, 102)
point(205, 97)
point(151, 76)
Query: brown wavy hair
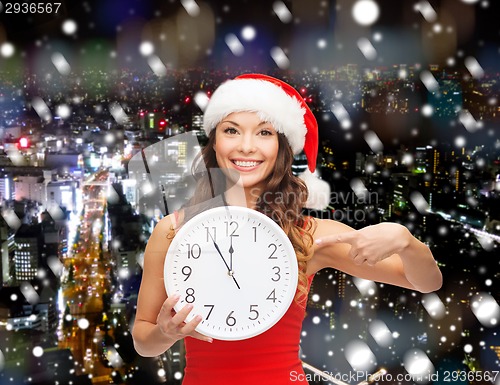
point(283, 201)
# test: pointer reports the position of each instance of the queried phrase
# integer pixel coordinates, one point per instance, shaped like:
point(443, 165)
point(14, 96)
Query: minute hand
point(225, 263)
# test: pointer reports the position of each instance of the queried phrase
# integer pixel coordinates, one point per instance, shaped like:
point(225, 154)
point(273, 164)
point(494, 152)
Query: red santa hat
point(281, 105)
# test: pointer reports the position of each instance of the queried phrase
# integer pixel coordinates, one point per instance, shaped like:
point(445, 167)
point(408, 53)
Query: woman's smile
point(246, 164)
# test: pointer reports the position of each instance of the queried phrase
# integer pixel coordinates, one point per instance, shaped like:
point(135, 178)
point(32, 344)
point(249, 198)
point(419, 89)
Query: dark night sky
point(476, 25)
point(110, 32)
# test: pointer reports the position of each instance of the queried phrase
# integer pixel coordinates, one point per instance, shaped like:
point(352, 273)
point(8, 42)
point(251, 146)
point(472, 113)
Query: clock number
point(254, 233)
point(277, 274)
point(210, 312)
point(272, 296)
point(190, 295)
point(230, 320)
point(186, 270)
point(211, 233)
point(231, 226)
point(254, 310)
point(274, 247)
point(194, 251)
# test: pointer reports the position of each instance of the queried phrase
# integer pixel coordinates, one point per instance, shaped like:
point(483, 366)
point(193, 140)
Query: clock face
point(236, 267)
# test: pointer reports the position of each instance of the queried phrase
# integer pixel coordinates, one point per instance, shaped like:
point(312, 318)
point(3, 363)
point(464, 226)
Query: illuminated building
point(360, 162)
point(153, 123)
point(6, 188)
point(28, 240)
point(29, 187)
point(403, 184)
point(41, 316)
point(341, 283)
point(62, 193)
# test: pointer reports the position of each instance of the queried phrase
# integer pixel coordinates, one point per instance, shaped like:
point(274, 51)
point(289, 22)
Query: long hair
point(283, 201)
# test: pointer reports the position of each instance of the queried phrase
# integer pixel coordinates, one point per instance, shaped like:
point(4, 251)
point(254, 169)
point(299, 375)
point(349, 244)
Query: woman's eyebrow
point(231, 122)
point(236, 124)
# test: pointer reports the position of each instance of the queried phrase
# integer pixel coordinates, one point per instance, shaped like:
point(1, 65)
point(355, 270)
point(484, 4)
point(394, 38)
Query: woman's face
point(247, 145)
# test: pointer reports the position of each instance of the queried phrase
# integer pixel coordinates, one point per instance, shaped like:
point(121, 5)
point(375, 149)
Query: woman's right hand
point(173, 325)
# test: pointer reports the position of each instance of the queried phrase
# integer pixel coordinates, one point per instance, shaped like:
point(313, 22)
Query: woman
point(255, 125)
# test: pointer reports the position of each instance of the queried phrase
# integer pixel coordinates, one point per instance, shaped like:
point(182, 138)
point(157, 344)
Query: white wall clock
point(237, 268)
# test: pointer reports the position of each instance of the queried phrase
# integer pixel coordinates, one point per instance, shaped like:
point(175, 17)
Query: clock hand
point(231, 251)
point(225, 263)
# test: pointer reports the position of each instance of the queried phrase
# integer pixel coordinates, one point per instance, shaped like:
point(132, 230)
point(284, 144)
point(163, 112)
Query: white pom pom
point(319, 191)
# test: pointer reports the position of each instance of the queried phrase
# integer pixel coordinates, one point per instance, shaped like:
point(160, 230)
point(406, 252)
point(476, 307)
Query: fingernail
point(317, 241)
point(176, 297)
point(210, 340)
point(197, 318)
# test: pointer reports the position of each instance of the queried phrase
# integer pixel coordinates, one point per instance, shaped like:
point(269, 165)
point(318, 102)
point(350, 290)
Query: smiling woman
point(280, 107)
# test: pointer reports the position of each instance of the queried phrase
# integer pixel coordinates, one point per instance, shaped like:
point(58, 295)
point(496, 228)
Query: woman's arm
point(157, 327)
point(386, 252)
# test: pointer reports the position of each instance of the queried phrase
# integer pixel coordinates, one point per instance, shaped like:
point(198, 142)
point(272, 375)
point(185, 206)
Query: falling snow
point(191, 7)
point(365, 12)
point(69, 27)
point(7, 49)
point(146, 48)
point(248, 33)
point(367, 49)
point(282, 12)
point(61, 63)
point(234, 44)
point(427, 11)
point(157, 66)
point(280, 58)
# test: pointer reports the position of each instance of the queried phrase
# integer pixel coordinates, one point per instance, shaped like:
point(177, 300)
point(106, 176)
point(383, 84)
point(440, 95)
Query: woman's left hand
point(371, 244)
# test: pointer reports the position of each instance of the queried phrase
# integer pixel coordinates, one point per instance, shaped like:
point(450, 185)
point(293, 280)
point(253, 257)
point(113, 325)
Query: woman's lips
point(246, 165)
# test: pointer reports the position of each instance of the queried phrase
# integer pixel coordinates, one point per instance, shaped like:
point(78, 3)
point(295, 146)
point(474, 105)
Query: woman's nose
point(247, 144)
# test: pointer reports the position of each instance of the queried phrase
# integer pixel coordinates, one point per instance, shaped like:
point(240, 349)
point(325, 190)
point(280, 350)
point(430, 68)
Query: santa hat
point(281, 105)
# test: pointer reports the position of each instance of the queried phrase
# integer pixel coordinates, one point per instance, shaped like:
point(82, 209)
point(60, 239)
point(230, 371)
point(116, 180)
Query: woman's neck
point(237, 195)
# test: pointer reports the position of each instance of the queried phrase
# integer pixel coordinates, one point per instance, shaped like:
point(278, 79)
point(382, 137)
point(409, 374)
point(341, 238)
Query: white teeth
point(240, 163)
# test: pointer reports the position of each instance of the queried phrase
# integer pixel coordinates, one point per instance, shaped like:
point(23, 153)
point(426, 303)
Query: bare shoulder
point(166, 223)
point(162, 234)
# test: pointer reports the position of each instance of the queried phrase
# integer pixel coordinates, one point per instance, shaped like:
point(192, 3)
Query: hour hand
point(231, 251)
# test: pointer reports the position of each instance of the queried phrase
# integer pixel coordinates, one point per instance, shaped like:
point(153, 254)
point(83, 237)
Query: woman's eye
point(230, 130)
point(266, 132)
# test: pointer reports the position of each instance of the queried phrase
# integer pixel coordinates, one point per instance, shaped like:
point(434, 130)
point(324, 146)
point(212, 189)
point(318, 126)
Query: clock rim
point(268, 221)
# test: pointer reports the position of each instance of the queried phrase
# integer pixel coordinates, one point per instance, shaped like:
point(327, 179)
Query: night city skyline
point(408, 107)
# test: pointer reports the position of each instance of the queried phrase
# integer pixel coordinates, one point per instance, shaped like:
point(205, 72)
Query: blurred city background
point(97, 96)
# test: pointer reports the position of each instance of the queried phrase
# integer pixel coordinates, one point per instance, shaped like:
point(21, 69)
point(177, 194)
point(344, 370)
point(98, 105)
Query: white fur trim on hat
point(268, 100)
point(318, 189)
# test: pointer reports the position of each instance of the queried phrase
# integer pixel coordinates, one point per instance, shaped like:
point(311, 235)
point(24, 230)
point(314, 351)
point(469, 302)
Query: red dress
point(271, 358)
